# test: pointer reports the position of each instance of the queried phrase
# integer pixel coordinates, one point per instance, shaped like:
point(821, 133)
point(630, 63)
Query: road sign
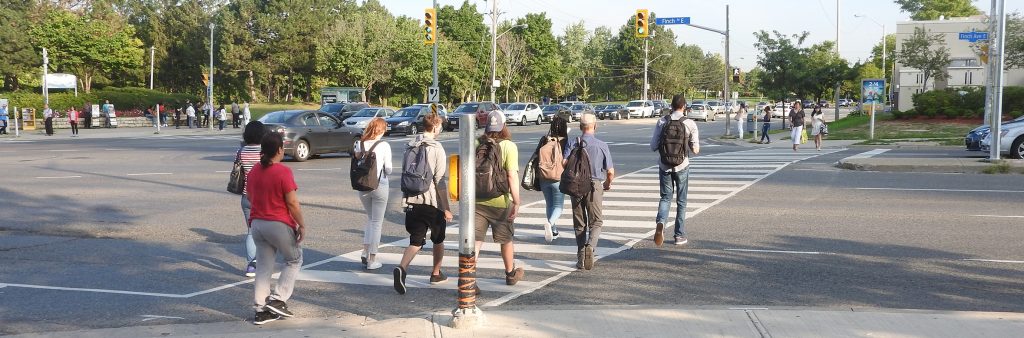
point(974, 36)
point(433, 108)
point(873, 91)
point(434, 94)
point(672, 21)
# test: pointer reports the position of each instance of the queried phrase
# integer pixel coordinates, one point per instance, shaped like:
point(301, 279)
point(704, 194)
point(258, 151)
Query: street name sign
point(672, 21)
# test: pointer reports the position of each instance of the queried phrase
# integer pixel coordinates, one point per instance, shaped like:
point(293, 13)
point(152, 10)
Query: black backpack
point(491, 176)
point(577, 178)
point(672, 145)
point(417, 176)
point(363, 171)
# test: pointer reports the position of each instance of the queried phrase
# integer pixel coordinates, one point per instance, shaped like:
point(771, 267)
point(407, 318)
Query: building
point(966, 68)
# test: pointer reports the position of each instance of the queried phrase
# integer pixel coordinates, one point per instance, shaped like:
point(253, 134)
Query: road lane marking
point(62, 150)
point(780, 251)
point(993, 261)
point(150, 174)
point(121, 292)
point(998, 216)
point(222, 171)
point(867, 154)
point(57, 177)
point(942, 190)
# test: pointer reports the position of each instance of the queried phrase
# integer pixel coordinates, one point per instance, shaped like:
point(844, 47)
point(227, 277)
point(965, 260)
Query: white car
point(521, 113)
point(363, 116)
point(1011, 141)
point(780, 110)
point(700, 111)
point(640, 108)
point(716, 107)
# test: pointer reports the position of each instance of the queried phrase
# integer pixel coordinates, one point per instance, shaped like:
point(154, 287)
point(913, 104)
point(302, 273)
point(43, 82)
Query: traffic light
point(430, 26)
point(642, 24)
point(736, 75)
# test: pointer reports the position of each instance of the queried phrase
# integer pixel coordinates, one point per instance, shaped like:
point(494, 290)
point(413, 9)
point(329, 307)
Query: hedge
point(951, 103)
point(122, 98)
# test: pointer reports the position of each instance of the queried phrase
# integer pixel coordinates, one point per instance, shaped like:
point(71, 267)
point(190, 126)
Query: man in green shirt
point(499, 212)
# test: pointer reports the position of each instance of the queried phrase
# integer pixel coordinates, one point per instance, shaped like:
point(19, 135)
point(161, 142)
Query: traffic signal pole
point(728, 73)
point(435, 55)
point(645, 71)
point(467, 315)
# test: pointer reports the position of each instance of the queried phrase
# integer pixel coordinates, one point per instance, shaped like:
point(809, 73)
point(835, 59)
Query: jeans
point(376, 204)
point(274, 238)
point(587, 216)
point(189, 121)
point(250, 246)
point(673, 181)
point(554, 201)
point(764, 132)
point(221, 126)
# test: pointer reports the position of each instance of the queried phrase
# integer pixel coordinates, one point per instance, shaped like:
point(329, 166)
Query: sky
point(818, 17)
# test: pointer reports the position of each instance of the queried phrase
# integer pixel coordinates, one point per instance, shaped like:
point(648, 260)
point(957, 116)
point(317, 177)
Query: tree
point(594, 70)
point(825, 69)
point(783, 62)
point(1015, 41)
point(890, 55)
point(573, 51)
point(464, 40)
point(931, 9)
point(18, 55)
point(927, 53)
point(544, 64)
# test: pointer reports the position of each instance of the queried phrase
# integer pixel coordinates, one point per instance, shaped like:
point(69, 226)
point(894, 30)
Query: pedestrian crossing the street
point(629, 212)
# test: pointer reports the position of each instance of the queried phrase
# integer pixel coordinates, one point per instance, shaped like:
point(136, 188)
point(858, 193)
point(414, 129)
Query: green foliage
point(932, 9)
point(926, 52)
point(1015, 41)
point(951, 103)
point(783, 62)
point(19, 56)
point(122, 98)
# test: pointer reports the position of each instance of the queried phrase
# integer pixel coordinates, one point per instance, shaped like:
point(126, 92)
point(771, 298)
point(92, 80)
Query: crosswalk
point(629, 211)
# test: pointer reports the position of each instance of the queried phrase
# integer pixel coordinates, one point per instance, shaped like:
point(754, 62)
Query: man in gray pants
point(586, 210)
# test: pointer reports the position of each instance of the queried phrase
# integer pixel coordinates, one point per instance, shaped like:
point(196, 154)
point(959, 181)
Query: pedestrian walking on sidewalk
point(497, 198)
point(766, 124)
point(3, 118)
point(425, 190)
point(249, 156)
point(549, 168)
point(676, 138)
point(582, 155)
point(108, 112)
point(48, 115)
point(246, 114)
point(277, 228)
point(221, 118)
point(740, 118)
point(375, 201)
point(796, 120)
point(235, 115)
point(73, 121)
point(817, 124)
point(190, 114)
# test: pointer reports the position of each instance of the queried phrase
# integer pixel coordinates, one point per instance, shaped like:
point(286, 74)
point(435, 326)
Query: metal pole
point(46, 89)
point(839, 83)
point(726, 95)
point(494, 45)
point(644, 96)
point(152, 51)
point(997, 103)
point(435, 58)
point(467, 314)
point(209, 95)
point(17, 132)
point(871, 133)
point(885, 45)
point(157, 118)
point(989, 91)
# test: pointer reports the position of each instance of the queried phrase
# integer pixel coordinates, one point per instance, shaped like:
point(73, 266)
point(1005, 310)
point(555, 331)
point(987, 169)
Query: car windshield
point(332, 108)
point(551, 108)
point(354, 106)
point(579, 107)
point(408, 112)
point(504, 106)
point(468, 108)
point(714, 103)
point(516, 107)
point(635, 104)
point(697, 107)
point(615, 106)
point(278, 117)
point(600, 107)
point(367, 112)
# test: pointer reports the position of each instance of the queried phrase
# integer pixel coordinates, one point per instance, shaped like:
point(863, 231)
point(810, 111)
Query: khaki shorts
point(497, 219)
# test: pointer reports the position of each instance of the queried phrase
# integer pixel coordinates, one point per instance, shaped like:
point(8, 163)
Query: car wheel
point(537, 122)
point(302, 151)
point(412, 130)
point(1017, 148)
point(522, 121)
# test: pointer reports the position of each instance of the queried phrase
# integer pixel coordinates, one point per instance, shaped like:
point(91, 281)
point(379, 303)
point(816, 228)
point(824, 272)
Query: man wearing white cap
point(497, 198)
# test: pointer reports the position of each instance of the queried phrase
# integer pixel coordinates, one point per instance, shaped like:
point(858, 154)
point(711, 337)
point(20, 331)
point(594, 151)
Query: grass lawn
point(260, 109)
point(887, 128)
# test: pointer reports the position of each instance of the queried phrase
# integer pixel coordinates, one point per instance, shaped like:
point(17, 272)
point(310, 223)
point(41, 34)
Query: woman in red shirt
point(277, 227)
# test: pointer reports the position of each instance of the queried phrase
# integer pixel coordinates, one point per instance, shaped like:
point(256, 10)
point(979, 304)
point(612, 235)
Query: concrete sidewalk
point(929, 165)
point(615, 321)
point(94, 133)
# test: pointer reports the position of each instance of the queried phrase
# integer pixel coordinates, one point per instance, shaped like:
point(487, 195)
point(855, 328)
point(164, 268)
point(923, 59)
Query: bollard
point(17, 132)
point(467, 315)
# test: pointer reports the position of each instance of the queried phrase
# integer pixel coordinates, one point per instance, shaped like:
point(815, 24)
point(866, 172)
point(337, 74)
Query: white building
point(966, 68)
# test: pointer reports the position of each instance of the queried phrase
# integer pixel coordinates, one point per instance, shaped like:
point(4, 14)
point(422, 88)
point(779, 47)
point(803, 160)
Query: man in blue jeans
point(675, 138)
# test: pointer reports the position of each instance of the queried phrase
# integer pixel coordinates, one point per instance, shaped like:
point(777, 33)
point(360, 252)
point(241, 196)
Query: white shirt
point(48, 113)
point(191, 112)
point(383, 152)
point(221, 114)
point(246, 113)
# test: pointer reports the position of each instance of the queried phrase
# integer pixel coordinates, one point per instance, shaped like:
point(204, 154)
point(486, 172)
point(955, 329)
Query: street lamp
point(646, 64)
point(209, 94)
point(885, 48)
point(494, 50)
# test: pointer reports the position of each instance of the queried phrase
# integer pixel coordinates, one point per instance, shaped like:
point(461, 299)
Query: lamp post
point(152, 51)
point(494, 46)
point(209, 89)
point(647, 64)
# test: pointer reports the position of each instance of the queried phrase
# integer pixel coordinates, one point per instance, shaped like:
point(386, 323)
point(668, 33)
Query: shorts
point(420, 218)
point(497, 219)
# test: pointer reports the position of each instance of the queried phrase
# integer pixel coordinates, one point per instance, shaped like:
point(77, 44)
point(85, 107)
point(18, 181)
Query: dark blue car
point(974, 137)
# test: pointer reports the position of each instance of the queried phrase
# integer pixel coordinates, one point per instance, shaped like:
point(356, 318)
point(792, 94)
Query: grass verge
point(998, 168)
point(858, 128)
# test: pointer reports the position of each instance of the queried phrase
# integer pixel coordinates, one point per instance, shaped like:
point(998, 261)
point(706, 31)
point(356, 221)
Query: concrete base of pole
point(467, 318)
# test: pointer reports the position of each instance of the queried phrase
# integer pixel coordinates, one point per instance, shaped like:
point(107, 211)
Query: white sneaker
point(373, 265)
point(548, 235)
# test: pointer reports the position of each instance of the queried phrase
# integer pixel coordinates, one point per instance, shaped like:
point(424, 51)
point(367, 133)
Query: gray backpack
point(417, 176)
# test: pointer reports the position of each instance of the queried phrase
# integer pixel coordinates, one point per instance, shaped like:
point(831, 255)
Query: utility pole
point(46, 87)
point(152, 51)
point(209, 89)
point(998, 81)
point(494, 46)
point(435, 55)
point(727, 95)
point(839, 83)
point(644, 96)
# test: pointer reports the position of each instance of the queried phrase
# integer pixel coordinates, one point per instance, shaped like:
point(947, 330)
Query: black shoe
point(438, 278)
point(588, 257)
point(280, 308)
point(263, 317)
point(514, 276)
point(399, 274)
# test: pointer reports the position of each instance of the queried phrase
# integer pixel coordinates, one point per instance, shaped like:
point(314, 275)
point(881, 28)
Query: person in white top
point(817, 122)
point(190, 114)
point(221, 117)
point(738, 118)
point(375, 202)
point(246, 114)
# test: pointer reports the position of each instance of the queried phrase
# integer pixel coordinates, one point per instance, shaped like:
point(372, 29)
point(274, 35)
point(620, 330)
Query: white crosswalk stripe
point(629, 212)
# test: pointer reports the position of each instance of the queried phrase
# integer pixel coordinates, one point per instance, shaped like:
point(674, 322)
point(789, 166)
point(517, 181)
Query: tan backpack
point(549, 159)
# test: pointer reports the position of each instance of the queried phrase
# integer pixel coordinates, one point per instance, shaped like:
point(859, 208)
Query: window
point(964, 63)
point(309, 120)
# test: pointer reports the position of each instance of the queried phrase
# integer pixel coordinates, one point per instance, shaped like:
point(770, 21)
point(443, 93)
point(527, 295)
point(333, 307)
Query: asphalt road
point(137, 230)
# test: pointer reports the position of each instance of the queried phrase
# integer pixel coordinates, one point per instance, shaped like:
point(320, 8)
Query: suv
point(343, 110)
point(481, 109)
point(640, 108)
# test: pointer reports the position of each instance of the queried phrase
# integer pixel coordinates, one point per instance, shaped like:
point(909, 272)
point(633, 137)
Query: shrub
point(1013, 98)
point(1016, 113)
point(122, 98)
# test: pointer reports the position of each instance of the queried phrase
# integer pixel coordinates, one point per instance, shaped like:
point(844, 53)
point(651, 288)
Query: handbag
point(803, 136)
point(236, 182)
point(529, 181)
point(823, 130)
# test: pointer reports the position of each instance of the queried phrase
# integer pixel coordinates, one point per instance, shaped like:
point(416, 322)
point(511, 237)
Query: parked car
point(308, 133)
point(612, 112)
point(640, 108)
point(409, 120)
point(716, 106)
point(523, 112)
point(569, 104)
point(363, 116)
point(844, 102)
point(974, 138)
point(579, 109)
point(551, 110)
point(661, 108)
point(504, 106)
point(700, 111)
point(823, 103)
point(480, 109)
point(780, 110)
point(760, 106)
point(807, 104)
point(343, 110)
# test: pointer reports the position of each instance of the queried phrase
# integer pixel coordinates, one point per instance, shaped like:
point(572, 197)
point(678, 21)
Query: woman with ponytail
point(277, 227)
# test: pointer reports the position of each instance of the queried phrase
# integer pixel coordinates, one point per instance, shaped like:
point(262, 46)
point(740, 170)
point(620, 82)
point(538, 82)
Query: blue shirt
point(597, 150)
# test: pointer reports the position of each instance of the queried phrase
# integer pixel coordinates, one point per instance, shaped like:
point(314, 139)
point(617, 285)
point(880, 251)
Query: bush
point(1013, 98)
point(122, 99)
point(1016, 113)
point(934, 102)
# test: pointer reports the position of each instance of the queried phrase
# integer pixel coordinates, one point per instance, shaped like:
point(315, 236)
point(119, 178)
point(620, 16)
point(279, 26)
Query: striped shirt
point(250, 155)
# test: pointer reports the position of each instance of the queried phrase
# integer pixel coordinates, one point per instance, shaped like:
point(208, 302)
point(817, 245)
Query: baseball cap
point(495, 121)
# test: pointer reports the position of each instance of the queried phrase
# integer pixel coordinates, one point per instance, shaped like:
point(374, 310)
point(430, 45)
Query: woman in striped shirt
point(249, 154)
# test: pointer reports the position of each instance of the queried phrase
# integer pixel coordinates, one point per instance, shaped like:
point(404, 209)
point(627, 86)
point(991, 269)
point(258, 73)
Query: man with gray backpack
point(425, 189)
point(588, 173)
point(497, 201)
point(675, 139)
